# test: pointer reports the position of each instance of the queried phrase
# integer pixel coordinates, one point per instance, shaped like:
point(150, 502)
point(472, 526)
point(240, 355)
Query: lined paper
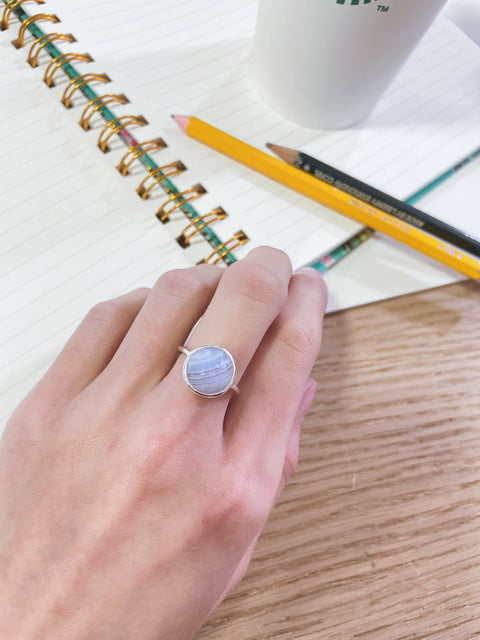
point(73, 231)
point(192, 58)
point(68, 239)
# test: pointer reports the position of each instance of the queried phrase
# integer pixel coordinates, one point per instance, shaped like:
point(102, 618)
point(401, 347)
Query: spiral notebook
point(101, 193)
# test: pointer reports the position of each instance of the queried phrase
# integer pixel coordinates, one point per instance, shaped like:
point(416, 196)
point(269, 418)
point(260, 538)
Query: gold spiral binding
point(96, 104)
point(44, 17)
point(159, 174)
point(137, 151)
point(193, 193)
point(209, 218)
point(59, 61)
point(78, 83)
point(115, 125)
point(42, 41)
point(221, 251)
point(10, 6)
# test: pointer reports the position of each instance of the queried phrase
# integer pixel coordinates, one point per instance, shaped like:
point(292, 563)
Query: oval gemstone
point(209, 370)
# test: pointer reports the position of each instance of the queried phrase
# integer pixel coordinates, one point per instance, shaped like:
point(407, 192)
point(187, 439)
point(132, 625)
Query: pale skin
point(129, 506)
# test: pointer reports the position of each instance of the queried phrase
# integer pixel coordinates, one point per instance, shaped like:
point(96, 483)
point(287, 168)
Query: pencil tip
point(284, 153)
point(182, 121)
point(269, 145)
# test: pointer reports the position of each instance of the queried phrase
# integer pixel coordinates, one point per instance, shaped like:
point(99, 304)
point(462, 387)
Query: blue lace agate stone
point(209, 370)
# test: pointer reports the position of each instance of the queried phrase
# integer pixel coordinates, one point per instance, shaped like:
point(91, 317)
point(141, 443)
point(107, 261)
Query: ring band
point(209, 371)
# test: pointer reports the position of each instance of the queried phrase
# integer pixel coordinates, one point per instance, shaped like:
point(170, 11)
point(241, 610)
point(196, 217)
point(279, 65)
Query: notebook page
point(68, 238)
point(263, 209)
point(189, 57)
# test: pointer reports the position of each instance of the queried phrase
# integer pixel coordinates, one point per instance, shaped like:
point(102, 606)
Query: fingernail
point(307, 399)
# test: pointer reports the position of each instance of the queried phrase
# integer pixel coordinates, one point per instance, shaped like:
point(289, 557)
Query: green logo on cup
point(380, 7)
point(355, 1)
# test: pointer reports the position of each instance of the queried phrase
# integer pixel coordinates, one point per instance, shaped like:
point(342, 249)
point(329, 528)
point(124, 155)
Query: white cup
point(325, 63)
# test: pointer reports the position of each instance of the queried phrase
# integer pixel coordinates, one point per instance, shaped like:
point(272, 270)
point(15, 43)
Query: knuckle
point(272, 254)
point(142, 292)
point(239, 505)
point(260, 285)
point(29, 420)
point(297, 343)
point(316, 285)
point(184, 284)
point(106, 313)
point(210, 271)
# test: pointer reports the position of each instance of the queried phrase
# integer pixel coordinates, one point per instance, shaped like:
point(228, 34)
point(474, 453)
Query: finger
point(291, 453)
point(247, 300)
point(288, 468)
point(177, 300)
point(258, 422)
point(90, 349)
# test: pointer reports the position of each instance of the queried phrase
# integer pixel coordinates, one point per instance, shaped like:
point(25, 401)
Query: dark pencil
point(377, 198)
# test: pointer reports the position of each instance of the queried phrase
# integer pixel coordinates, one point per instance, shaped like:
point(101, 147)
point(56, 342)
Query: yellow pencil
point(322, 192)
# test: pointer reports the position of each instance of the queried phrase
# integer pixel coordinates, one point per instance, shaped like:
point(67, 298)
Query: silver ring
point(209, 371)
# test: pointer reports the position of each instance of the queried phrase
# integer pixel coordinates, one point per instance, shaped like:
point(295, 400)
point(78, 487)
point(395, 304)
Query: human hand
point(129, 506)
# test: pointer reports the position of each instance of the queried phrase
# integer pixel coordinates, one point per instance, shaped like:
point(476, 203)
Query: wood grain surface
point(377, 536)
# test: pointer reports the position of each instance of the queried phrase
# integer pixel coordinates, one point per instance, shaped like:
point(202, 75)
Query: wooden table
point(377, 536)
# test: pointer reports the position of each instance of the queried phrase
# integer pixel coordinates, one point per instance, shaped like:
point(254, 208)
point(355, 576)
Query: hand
point(129, 506)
